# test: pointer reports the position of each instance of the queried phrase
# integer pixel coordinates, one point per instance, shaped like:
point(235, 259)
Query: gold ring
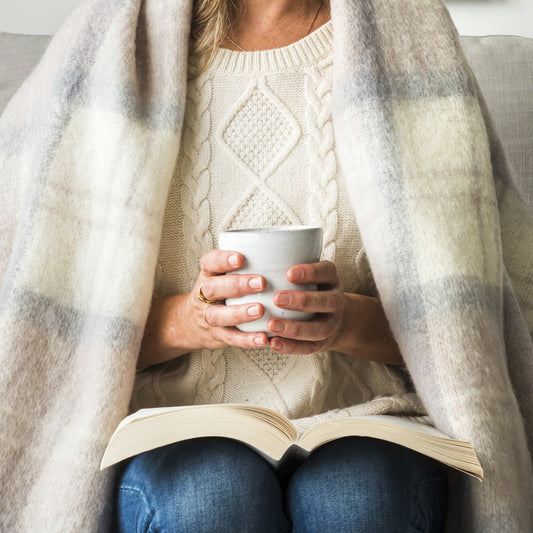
point(202, 297)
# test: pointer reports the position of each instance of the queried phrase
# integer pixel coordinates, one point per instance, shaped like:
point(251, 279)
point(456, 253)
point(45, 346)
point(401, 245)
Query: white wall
point(490, 17)
point(34, 16)
point(472, 17)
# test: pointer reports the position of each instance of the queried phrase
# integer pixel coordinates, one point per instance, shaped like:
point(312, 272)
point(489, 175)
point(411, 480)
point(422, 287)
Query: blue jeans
point(220, 485)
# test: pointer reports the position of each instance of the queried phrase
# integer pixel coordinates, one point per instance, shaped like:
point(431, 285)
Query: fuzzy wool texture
point(88, 146)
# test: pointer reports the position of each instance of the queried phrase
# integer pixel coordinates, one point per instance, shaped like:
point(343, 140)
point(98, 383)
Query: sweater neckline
point(306, 51)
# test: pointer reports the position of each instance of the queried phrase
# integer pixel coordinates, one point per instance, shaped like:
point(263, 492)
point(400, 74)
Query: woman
point(408, 154)
point(324, 365)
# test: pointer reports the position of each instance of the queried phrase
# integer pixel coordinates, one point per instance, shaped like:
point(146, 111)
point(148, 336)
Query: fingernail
point(296, 275)
point(253, 310)
point(283, 298)
point(259, 340)
point(276, 344)
point(256, 283)
point(233, 259)
point(277, 326)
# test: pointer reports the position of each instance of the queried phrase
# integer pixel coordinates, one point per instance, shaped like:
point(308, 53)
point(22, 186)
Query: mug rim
point(273, 229)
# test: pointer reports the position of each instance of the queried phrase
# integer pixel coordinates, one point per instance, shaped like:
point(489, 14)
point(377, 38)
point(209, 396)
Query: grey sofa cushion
point(503, 66)
point(19, 54)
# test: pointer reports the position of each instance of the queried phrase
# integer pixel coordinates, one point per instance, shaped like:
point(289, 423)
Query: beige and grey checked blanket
point(87, 150)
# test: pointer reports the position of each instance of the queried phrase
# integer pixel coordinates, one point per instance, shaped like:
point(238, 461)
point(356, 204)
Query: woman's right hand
point(182, 323)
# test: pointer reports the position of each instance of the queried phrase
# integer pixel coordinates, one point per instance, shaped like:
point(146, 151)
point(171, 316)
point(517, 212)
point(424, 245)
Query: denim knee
point(367, 485)
point(200, 485)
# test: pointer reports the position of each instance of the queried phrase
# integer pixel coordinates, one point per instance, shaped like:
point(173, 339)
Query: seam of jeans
point(146, 504)
point(416, 524)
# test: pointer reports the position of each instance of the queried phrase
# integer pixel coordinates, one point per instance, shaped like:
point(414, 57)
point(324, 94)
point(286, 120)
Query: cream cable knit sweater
point(258, 150)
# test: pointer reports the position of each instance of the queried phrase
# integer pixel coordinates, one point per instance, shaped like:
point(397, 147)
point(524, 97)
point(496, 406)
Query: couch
point(503, 66)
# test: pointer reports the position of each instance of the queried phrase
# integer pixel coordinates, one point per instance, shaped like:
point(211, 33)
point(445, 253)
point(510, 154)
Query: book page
point(403, 431)
point(405, 422)
point(261, 428)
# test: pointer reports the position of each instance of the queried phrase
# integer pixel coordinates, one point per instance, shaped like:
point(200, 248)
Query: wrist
point(159, 343)
point(365, 331)
point(346, 341)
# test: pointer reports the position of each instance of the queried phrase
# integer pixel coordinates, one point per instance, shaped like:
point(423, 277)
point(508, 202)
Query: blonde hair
point(211, 19)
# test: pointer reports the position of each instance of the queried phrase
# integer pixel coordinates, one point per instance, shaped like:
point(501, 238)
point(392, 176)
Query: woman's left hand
point(328, 303)
point(350, 323)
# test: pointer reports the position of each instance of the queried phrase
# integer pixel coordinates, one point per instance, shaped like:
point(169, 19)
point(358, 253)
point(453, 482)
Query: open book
point(274, 436)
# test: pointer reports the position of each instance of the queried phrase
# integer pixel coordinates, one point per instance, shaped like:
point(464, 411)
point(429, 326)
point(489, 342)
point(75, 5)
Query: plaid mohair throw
point(87, 150)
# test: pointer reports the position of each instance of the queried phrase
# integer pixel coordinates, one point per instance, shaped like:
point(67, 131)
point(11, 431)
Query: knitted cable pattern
point(322, 368)
point(197, 216)
point(258, 134)
point(351, 377)
point(320, 149)
point(323, 185)
point(196, 176)
point(211, 384)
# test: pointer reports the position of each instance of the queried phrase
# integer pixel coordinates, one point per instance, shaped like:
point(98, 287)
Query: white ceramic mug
point(271, 252)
